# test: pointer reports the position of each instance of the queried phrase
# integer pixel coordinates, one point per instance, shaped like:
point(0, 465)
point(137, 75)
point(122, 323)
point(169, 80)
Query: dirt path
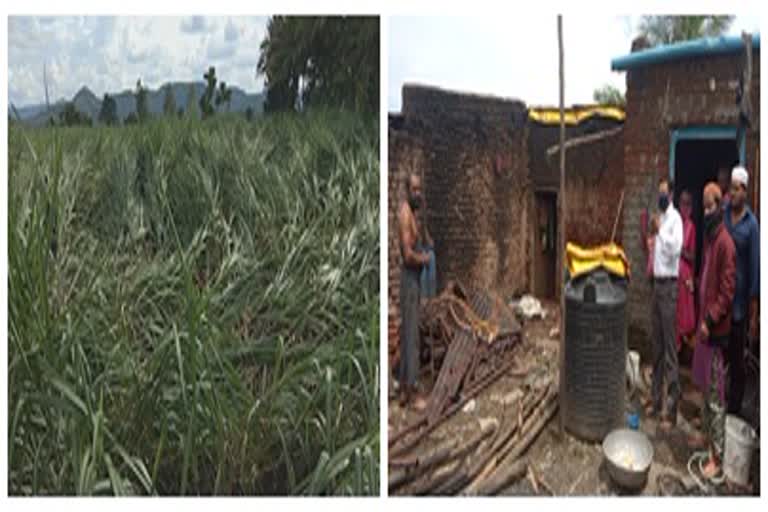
point(561, 463)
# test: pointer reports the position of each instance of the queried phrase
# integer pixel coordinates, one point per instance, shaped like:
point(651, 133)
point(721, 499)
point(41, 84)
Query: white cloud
point(108, 54)
point(195, 25)
point(231, 32)
point(490, 55)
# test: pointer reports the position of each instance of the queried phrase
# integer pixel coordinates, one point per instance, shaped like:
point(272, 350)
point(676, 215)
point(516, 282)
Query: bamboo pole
point(561, 394)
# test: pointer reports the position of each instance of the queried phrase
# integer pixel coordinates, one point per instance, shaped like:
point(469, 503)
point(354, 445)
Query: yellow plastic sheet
point(581, 260)
point(574, 115)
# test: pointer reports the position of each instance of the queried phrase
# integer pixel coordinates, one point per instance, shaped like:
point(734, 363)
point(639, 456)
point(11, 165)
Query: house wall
point(471, 151)
point(700, 90)
point(477, 186)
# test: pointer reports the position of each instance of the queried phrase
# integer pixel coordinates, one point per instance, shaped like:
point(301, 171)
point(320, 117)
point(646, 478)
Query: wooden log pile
point(470, 335)
point(487, 462)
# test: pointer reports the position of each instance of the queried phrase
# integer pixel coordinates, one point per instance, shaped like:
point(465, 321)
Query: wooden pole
point(562, 211)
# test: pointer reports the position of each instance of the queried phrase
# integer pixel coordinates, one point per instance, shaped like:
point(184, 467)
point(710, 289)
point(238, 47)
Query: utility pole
point(561, 214)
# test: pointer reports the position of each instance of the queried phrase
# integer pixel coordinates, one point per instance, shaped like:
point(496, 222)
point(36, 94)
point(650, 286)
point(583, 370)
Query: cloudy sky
point(108, 54)
point(513, 57)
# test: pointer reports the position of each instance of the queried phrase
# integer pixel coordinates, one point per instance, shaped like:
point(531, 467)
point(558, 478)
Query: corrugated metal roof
point(683, 50)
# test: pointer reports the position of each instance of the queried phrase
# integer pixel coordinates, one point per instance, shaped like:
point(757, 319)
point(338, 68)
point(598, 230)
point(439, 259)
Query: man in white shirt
point(667, 234)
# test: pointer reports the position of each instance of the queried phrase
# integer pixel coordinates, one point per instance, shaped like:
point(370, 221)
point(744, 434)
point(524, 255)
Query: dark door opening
point(546, 245)
point(696, 164)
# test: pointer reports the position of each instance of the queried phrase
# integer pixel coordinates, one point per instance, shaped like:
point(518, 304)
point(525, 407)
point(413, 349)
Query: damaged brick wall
point(594, 172)
point(477, 186)
point(594, 180)
point(701, 90)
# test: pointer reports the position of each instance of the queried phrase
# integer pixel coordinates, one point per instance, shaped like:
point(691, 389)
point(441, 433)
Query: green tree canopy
point(609, 95)
point(206, 107)
point(142, 109)
point(671, 29)
point(223, 95)
point(70, 116)
point(321, 60)
point(108, 112)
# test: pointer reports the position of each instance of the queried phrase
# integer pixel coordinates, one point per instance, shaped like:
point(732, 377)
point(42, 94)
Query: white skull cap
point(740, 175)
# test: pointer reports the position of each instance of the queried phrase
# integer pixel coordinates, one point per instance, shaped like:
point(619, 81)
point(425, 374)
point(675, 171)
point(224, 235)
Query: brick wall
point(471, 151)
point(691, 100)
point(594, 180)
point(476, 185)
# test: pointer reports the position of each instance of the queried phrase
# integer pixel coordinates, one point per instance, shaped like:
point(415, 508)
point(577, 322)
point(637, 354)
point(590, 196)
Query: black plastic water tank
point(595, 354)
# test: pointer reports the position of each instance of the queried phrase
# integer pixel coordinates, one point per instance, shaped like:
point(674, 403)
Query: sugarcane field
point(574, 287)
point(194, 272)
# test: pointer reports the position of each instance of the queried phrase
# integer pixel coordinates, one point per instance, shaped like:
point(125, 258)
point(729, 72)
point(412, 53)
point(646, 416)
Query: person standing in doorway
point(414, 261)
point(667, 243)
point(686, 314)
point(718, 281)
point(745, 231)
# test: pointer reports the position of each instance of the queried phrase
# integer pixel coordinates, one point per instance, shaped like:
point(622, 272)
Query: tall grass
point(193, 308)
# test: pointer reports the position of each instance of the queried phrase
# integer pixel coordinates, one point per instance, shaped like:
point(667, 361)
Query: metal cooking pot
point(628, 455)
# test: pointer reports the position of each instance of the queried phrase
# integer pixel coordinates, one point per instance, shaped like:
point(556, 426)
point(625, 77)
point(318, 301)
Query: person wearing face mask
point(666, 239)
point(413, 261)
point(718, 281)
point(686, 314)
point(745, 232)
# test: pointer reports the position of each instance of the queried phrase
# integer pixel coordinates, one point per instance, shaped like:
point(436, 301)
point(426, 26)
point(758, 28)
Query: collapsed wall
point(471, 153)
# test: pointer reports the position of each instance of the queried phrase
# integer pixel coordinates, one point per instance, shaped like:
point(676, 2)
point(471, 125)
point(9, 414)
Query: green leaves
point(321, 61)
point(209, 322)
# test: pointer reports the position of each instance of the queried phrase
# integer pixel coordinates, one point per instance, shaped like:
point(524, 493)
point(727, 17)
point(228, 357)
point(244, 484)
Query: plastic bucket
point(740, 442)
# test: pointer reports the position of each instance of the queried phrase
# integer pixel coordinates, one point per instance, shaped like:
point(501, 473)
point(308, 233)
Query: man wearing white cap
point(745, 232)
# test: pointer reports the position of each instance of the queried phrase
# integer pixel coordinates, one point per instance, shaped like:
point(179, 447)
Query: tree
point(142, 110)
point(321, 60)
point(191, 110)
point(169, 102)
point(131, 119)
point(210, 88)
point(224, 95)
point(249, 114)
point(609, 95)
point(671, 29)
point(108, 112)
point(70, 116)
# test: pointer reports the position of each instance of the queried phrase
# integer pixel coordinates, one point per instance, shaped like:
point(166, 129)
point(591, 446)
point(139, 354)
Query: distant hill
point(89, 104)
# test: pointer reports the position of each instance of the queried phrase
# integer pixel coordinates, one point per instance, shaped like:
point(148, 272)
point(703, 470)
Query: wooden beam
point(584, 139)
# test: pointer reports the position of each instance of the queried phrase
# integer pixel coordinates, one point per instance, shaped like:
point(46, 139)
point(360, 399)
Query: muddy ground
point(560, 464)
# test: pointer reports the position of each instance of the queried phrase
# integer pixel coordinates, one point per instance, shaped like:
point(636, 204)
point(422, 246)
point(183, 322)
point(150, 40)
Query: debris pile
point(469, 335)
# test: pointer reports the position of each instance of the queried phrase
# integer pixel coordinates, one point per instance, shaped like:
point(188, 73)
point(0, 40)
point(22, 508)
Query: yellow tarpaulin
point(551, 115)
point(581, 260)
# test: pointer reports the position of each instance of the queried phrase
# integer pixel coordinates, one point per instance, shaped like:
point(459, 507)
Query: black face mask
point(663, 202)
point(414, 201)
point(712, 221)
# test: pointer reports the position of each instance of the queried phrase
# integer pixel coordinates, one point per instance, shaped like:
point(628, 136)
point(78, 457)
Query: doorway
point(696, 163)
point(545, 250)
